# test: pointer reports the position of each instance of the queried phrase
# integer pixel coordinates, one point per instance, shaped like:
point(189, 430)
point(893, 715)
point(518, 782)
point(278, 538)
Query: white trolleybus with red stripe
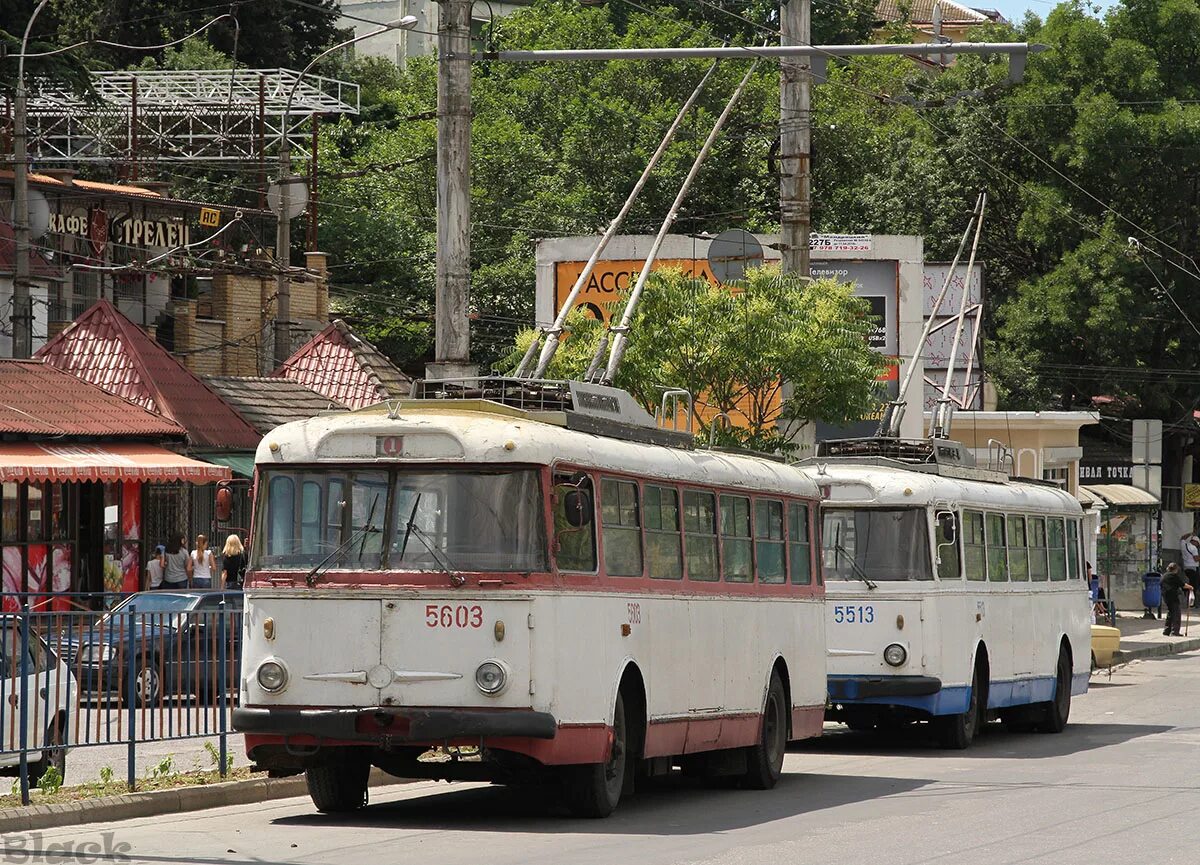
point(511, 581)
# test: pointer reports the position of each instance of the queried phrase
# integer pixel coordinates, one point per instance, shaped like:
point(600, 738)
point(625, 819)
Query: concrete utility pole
point(22, 313)
point(795, 137)
point(452, 332)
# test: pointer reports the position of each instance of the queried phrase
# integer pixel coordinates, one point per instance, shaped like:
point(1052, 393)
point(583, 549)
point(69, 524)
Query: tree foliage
point(734, 351)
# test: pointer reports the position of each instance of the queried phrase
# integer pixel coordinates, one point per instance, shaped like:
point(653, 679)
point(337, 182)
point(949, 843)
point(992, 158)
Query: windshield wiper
point(408, 527)
point(319, 568)
point(858, 572)
point(455, 579)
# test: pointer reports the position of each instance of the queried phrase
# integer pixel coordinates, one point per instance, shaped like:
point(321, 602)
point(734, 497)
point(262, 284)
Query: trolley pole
point(452, 296)
point(795, 137)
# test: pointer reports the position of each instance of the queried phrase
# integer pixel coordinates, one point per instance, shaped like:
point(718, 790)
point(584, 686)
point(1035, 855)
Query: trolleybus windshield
point(463, 520)
point(878, 544)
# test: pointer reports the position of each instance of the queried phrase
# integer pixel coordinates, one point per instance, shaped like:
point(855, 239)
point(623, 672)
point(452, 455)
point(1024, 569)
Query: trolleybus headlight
point(272, 676)
point(895, 654)
point(491, 677)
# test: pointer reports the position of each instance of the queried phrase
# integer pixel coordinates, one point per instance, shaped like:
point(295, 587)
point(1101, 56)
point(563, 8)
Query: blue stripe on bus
point(954, 699)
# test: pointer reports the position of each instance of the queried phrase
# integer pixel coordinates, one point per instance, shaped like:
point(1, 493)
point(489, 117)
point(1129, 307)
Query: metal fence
point(154, 667)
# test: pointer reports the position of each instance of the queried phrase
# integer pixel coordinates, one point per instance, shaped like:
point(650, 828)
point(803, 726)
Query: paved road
point(1120, 785)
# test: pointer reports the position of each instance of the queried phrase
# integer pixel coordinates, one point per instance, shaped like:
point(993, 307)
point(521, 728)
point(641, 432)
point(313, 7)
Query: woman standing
point(177, 567)
point(233, 563)
point(203, 564)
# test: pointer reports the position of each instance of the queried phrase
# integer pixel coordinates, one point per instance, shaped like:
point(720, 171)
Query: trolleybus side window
point(799, 545)
point(1073, 570)
point(335, 506)
point(1055, 537)
point(310, 516)
point(700, 534)
point(997, 550)
point(974, 548)
point(768, 541)
point(736, 556)
point(621, 528)
point(946, 535)
point(574, 532)
point(1038, 569)
point(664, 550)
point(1018, 549)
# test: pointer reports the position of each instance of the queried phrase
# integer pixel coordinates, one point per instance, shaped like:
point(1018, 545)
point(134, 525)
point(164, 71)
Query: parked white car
point(50, 692)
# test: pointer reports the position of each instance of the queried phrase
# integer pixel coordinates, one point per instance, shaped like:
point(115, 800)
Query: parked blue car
point(173, 642)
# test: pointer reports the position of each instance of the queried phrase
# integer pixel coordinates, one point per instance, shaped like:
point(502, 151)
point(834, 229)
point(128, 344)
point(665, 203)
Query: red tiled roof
point(106, 348)
point(41, 400)
point(345, 368)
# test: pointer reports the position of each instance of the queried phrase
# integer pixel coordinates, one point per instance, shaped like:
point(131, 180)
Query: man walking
point(1173, 587)
point(1189, 549)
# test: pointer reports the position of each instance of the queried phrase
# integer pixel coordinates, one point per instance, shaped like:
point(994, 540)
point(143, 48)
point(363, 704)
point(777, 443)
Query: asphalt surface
point(1119, 785)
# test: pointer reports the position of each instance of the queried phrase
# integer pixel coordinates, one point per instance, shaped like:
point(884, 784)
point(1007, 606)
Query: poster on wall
point(11, 569)
point(60, 576)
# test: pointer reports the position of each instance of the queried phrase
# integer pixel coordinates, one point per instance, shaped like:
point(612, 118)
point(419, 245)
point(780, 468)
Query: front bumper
point(395, 723)
point(850, 688)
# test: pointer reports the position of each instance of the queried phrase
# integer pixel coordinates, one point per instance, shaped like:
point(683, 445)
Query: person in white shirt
point(204, 564)
point(1189, 548)
point(154, 568)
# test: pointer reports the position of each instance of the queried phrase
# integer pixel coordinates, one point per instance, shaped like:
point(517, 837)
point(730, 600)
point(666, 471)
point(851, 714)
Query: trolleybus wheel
point(764, 761)
point(958, 731)
point(339, 787)
point(1054, 714)
point(595, 789)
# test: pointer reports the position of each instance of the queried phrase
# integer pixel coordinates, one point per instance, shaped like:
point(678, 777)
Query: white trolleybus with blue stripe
point(955, 594)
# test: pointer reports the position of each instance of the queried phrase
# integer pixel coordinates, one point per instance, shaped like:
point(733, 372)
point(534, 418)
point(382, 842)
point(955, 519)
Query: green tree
point(736, 351)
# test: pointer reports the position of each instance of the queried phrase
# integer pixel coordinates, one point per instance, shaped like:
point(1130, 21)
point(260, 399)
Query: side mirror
point(577, 508)
point(948, 525)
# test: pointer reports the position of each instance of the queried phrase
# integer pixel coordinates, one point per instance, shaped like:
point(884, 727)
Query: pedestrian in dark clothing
point(1174, 585)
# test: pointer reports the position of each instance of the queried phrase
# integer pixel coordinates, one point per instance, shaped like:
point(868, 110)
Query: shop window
point(621, 525)
point(700, 534)
point(35, 506)
point(799, 544)
point(11, 511)
point(768, 541)
point(663, 544)
point(736, 556)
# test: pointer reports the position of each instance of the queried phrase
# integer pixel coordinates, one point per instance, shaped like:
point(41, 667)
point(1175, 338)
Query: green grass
point(111, 786)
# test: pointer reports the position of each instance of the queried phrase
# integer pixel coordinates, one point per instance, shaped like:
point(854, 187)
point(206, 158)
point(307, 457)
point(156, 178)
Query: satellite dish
point(39, 214)
point(297, 196)
point(731, 253)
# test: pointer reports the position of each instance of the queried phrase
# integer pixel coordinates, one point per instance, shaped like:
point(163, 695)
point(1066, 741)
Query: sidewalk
point(1143, 638)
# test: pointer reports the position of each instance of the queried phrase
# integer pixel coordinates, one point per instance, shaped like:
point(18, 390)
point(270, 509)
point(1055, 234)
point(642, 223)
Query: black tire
point(593, 790)
point(147, 684)
point(1053, 716)
point(956, 732)
point(54, 755)
point(764, 761)
point(339, 788)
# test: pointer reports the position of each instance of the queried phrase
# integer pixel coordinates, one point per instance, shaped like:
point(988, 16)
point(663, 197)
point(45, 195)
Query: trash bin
point(1152, 594)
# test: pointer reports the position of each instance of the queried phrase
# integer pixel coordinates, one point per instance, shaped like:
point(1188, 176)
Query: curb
point(155, 802)
point(1157, 650)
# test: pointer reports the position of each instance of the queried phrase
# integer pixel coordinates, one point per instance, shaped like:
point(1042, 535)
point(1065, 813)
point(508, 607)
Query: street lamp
point(283, 241)
point(22, 315)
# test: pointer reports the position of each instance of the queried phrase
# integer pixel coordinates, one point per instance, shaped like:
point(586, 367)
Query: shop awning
point(242, 464)
point(1120, 494)
point(118, 461)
